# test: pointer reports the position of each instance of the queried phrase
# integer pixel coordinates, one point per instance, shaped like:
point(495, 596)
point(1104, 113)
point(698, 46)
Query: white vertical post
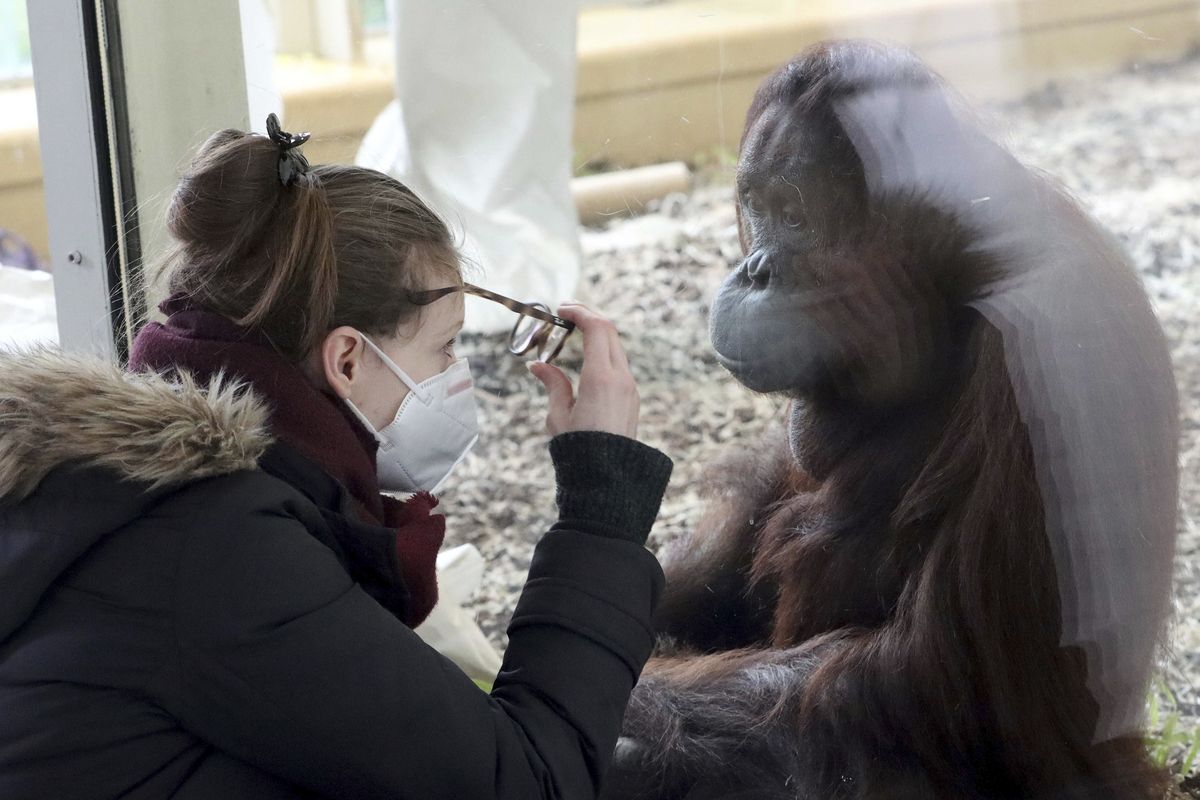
point(295, 25)
point(339, 30)
point(72, 129)
point(328, 29)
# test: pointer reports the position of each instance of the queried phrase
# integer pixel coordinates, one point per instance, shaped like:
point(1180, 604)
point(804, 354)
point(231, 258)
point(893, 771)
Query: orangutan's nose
point(758, 268)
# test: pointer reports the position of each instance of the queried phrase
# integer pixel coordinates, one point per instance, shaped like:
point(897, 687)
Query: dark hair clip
point(292, 163)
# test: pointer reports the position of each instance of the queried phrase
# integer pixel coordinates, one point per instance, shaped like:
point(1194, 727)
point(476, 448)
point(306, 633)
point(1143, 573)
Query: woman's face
point(422, 349)
point(428, 350)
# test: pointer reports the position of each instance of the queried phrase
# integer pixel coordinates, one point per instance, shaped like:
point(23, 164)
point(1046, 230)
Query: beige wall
point(682, 88)
point(21, 203)
point(672, 81)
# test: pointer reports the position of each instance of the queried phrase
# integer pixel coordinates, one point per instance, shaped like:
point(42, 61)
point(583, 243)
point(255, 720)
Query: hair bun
point(249, 247)
point(226, 197)
point(345, 246)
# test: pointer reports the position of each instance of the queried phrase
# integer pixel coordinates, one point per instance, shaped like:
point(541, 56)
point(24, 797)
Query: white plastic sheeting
point(27, 313)
point(481, 130)
point(451, 629)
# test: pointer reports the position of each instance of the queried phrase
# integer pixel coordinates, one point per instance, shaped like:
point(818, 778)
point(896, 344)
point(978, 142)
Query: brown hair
point(344, 247)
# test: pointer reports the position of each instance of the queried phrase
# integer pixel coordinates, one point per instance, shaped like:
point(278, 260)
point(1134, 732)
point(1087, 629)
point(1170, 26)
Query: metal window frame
point(87, 172)
point(126, 92)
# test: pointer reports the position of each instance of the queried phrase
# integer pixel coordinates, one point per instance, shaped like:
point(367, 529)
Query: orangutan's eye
point(793, 216)
point(752, 204)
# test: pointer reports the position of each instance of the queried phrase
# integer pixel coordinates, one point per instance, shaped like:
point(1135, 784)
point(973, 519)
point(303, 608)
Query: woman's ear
point(341, 355)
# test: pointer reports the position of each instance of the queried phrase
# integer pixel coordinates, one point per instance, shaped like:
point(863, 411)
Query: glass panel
point(15, 64)
point(950, 356)
point(374, 16)
point(27, 312)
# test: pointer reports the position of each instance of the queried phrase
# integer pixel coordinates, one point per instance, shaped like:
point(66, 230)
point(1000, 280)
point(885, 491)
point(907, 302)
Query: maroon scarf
point(316, 423)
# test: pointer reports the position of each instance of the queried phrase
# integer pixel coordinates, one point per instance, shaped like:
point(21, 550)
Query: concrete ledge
point(627, 50)
point(673, 81)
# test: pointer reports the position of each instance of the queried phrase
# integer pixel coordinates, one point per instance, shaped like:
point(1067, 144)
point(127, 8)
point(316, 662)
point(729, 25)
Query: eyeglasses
point(536, 327)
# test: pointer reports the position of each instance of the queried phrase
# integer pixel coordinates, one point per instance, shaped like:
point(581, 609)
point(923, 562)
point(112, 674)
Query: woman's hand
point(607, 399)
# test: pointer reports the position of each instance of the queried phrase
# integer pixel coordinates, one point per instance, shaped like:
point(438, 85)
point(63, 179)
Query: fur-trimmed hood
point(57, 409)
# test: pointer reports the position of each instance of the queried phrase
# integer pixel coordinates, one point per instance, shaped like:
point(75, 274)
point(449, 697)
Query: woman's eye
point(448, 348)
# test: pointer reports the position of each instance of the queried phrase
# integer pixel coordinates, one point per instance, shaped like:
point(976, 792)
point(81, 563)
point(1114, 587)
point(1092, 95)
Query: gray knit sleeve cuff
point(608, 484)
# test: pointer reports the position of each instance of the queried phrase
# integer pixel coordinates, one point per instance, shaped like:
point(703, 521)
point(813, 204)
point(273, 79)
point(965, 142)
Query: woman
point(205, 594)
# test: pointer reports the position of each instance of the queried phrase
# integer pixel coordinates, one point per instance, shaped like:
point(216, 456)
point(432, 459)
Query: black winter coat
point(178, 618)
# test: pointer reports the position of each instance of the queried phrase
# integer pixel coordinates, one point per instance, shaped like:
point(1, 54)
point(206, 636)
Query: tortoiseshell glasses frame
point(536, 327)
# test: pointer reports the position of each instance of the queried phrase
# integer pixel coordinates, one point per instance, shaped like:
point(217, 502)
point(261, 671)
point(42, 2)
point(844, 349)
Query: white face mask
point(434, 428)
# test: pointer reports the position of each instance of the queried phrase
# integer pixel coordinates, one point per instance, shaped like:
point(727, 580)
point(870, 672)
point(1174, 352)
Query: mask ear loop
point(379, 438)
point(413, 387)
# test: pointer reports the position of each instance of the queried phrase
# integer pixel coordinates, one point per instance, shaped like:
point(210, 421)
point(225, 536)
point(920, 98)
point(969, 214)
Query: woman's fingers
point(561, 395)
point(607, 397)
point(598, 333)
point(618, 352)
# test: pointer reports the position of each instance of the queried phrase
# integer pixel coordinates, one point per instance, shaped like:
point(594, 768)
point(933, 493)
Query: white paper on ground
point(481, 131)
point(27, 313)
point(451, 629)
